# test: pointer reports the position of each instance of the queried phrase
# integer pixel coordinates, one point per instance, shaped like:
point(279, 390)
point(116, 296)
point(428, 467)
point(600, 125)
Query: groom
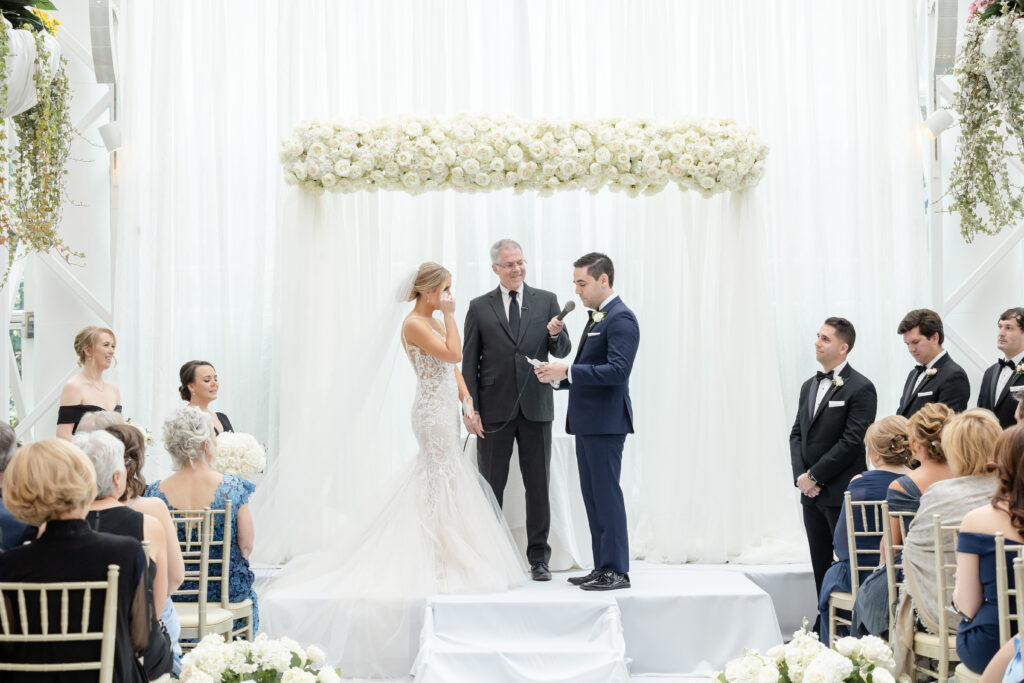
point(600, 415)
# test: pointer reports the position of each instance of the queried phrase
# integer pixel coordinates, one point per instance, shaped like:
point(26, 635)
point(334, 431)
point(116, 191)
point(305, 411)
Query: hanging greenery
point(989, 104)
point(32, 192)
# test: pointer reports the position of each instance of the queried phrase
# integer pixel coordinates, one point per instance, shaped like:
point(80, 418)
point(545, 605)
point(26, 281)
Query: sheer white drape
point(291, 296)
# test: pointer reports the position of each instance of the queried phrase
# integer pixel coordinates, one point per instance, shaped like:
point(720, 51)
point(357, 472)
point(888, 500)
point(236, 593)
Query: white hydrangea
point(328, 675)
point(483, 153)
point(828, 666)
point(239, 453)
point(297, 675)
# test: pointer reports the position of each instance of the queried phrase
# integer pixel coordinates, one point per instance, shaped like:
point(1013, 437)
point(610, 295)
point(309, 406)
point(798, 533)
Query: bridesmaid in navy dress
point(199, 385)
point(977, 638)
point(88, 392)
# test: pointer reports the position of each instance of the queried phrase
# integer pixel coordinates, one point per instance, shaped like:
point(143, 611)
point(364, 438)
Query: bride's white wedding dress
point(437, 529)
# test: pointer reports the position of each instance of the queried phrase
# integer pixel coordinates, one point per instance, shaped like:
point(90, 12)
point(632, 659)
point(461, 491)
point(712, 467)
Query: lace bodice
point(435, 417)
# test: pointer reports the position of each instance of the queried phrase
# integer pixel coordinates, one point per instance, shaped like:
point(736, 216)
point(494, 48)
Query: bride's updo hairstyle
point(185, 432)
point(87, 338)
point(429, 277)
point(888, 439)
point(925, 427)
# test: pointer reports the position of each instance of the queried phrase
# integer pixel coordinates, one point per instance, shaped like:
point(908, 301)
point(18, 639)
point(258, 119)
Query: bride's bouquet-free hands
point(239, 454)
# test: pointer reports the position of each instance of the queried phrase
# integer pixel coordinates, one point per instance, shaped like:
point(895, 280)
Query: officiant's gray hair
point(185, 432)
point(503, 244)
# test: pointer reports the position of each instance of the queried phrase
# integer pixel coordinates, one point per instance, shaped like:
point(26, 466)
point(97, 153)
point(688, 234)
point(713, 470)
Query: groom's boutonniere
point(837, 381)
point(1019, 371)
point(931, 372)
point(598, 316)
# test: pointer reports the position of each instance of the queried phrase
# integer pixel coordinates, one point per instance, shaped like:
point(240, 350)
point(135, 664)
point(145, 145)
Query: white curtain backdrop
point(291, 296)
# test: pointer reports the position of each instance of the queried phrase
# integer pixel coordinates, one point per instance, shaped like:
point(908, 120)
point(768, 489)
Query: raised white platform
point(676, 621)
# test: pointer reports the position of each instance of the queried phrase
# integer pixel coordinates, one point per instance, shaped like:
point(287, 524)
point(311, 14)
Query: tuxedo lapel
point(828, 394)
point(1015, 380)
point(908, 392)
point(499, 312)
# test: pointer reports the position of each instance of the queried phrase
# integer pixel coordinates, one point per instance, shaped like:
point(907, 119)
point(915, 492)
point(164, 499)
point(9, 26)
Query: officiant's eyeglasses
point(509, 266)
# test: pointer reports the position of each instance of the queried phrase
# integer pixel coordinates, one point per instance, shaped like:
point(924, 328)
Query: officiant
point(503, 328)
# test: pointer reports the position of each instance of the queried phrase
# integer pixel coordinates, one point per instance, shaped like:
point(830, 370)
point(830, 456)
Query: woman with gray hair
point(190, 439)
point(107, 514)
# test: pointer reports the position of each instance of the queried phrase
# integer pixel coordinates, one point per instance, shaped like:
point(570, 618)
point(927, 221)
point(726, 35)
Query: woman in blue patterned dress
point(190, 440)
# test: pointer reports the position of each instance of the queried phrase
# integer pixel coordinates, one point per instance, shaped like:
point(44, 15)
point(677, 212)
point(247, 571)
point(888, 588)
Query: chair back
point(19, 601)
point(195, 533)
point(864, 521)
point(894, 526)
point(224, 561)
point(945, 570)
point(1008, 599)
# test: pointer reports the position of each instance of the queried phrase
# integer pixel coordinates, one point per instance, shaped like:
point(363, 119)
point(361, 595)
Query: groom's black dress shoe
point(540, 572)
point(607, 581)
point(580, 580)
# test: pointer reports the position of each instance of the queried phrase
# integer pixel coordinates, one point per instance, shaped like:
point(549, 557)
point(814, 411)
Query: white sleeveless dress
point(437, 529)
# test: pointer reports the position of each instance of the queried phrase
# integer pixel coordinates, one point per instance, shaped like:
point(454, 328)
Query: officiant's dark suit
point(827, 444)
point(505, 392)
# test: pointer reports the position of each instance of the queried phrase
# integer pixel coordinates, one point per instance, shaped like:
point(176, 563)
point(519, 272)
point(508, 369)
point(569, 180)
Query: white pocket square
point(836, 404)
point(593, 334)
point(925, 393)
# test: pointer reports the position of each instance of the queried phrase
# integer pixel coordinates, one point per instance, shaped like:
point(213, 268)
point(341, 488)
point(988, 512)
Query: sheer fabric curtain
point(729, 291)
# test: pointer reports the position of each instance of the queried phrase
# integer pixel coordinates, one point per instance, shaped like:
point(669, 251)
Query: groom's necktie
point(586, 331)
point(513, 314)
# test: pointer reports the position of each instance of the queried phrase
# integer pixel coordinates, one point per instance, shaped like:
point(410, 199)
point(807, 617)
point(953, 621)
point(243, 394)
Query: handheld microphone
point(569, 306)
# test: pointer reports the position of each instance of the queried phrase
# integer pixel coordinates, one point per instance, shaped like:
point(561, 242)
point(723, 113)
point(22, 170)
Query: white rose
point(497, 164)
point(651, 161)
point(315, 655)
point(404, 159)
point(329, 180)
point(828, 666)
point(705, 153)
point(728, 178)
point(633, 147)
point(317, 149)
point(484, 153)
point(423, 163)
point(296, 675)
point(290, 179)
point(328, 675)
point(622, 159)
point(439, 168)
point(582, 138)
point(526, 170)
point(538, 150)
point(413, 129)
point(552, 182)
point(193, 675)
point(602, 155)
point(511, 178)
point(878, 652)
point(410, 180)
point(437, 135)
point(448, 155)
point(482, 179)
point(596, 168)
point(391, 169)
point(746, 158)
point(567, 168)
point(515, 154)
point(313, 170)
point(472, 166)
point(458, 175)
point(299, 170)
point(880, 675)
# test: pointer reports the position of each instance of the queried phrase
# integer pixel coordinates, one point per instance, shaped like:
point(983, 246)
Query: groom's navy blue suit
point(600, 415)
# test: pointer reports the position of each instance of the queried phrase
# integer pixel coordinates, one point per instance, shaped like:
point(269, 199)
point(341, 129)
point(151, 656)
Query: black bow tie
point(1007, 363)
point(824, 375)
point(920, 368)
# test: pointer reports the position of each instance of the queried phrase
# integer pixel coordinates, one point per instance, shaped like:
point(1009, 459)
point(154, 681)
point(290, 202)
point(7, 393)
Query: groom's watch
point(811, 477)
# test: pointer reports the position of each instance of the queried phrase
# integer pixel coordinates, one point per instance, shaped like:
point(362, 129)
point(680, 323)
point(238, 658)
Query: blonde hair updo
point(429, 277)
point(86, 339)
point(888, 439)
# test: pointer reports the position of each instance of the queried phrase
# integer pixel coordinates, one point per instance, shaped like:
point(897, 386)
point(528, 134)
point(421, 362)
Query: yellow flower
point(49, 22)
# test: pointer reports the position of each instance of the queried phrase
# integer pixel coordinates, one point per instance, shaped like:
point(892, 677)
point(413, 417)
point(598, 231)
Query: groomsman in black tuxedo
point(826, 444)
point(1008, 371)
point(935, 378)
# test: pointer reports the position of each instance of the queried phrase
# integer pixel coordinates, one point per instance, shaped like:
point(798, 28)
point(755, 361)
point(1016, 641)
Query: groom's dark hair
point(596, 264)
point(844, 331)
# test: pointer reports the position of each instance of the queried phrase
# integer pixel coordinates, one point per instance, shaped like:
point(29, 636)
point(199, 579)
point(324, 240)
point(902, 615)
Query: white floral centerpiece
point(239, 453)
point(805, 660)
point(483, 153)
point(265, 660)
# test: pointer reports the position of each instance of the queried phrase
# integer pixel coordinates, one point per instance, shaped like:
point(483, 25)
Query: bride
point(437, 529)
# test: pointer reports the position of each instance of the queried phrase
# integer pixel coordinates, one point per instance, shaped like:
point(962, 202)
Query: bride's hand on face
point(447, 304)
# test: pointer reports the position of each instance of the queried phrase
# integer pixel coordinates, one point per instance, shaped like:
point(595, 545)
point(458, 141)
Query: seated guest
point(924, 430)
point(968, 441)
point(134, 459)
point(109, 515)
point(87, 391)
point(888, 452)
point(189, 439)
point(977, 638)
point(936, 378)
point(52, 482)
point(12, 532)
point(100, 419)
point(1006, 666)
point(1006, 373)
point(199, 386)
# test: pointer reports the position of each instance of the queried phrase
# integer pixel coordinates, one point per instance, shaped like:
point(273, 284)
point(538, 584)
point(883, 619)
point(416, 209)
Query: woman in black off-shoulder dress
point(88, 392)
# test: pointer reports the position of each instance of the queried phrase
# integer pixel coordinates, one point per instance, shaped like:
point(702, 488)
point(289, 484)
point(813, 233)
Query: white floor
point(677, 622)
